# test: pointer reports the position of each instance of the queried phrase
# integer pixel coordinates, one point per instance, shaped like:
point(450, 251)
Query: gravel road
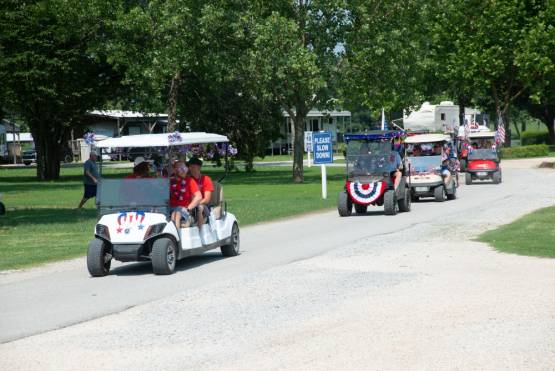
point(318, 292)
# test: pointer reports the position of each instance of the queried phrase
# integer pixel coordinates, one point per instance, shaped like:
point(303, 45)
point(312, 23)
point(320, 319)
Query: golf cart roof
point(427, 138)
point(482, 134)
point(162, 140)
point(375, 135)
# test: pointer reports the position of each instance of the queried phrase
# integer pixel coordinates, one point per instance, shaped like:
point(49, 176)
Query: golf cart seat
point(217, 200)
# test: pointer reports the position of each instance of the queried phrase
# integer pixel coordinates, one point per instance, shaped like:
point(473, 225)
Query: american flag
point(500, 134)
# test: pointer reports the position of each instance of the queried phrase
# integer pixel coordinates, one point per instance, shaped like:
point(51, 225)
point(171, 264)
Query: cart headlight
point(102, 231)
point(154, 229)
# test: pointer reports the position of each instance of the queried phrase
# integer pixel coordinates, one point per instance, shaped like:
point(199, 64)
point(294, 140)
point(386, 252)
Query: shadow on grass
point(46, 216)
point(141, 268)
point(272, 177)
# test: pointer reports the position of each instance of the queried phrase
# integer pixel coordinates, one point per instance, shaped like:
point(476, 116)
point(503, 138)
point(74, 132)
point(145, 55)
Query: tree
point(297, 59)
point(386, 52)
point(49, 75)
point(487, 53)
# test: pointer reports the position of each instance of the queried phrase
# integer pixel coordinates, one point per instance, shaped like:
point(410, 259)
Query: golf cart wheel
point(405, 202)
point(468, 179)
point(234, 247)
point(463, 165)
point(163, 256)
point(99, 258)
point(390, 203)
point(68, 158)
point(439, 193)
point(361, 209)
point(344, 204)
point(27, 163)
point(453, 194)
point(497, 177)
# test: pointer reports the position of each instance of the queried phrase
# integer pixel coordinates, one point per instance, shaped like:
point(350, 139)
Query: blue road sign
point(322, 148)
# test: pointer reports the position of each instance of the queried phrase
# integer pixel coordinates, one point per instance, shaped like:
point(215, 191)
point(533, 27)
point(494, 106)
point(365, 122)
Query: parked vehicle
point(30, 156)
point(370, 161)
point(426, 154)
point(134, 214)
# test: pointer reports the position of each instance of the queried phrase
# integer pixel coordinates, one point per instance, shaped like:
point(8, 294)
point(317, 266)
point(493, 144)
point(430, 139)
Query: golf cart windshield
point(133, 194)
point(424, 164)
point(482, 154)
point(369, 158)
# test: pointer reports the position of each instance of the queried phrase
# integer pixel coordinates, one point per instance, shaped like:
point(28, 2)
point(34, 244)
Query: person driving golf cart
point(395, 168)
point(141, 169)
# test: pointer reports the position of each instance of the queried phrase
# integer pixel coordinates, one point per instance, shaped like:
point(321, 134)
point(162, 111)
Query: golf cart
point(134, 215)
point(370, 160)
point(426, 152)
point(483, 158)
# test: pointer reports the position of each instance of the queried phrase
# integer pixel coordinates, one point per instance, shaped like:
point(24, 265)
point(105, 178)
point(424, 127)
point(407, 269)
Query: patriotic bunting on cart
point(365, 193)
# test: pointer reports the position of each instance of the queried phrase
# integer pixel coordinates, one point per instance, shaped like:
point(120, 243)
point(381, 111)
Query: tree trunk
point(462, 104)
point(172, 102)
point(48, 159)
point(298, 147)
point(550, 123)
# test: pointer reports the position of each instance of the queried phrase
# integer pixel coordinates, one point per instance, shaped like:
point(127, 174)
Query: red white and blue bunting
point(366, 193)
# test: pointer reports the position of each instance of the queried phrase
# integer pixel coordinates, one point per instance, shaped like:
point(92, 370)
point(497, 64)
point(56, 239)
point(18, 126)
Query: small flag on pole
point(500, 133)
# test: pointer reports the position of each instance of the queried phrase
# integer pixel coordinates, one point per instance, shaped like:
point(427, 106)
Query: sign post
point(323, 154)
point(308, 144)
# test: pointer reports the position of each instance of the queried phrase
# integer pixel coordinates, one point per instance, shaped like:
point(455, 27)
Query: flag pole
point(383, 119)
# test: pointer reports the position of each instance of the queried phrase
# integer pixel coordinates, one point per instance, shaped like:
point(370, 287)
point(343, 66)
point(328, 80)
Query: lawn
point(43, 225)
point(533, 235)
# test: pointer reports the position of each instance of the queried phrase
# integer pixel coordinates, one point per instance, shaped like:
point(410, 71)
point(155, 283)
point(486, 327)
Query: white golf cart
point(425, 158)
point(134, 216)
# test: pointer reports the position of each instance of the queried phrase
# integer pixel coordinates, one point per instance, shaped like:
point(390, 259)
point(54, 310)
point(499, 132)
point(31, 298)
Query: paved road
point(219, 290)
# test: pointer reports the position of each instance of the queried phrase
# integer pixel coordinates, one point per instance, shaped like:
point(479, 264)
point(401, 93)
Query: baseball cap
point(194, 161)
point(138, 160)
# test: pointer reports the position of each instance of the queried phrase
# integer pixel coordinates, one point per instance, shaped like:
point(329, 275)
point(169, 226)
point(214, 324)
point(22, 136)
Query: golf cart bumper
point(127, 252)
point(482, 173)
point(424, 189)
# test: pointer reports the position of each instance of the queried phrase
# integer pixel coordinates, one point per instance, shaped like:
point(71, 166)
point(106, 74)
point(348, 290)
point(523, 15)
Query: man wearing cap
point(204, 184)
point(140, 169)
point(90, 178)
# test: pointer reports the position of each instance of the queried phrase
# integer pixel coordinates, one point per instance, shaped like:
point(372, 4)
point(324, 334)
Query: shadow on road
point(141, 268)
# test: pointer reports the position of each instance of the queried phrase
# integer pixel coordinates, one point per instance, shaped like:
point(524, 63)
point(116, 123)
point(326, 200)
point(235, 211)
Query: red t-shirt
point(182, 191)
point(204, 184)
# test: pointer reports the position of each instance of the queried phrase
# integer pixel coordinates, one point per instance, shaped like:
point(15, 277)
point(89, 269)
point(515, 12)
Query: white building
point(336, 122)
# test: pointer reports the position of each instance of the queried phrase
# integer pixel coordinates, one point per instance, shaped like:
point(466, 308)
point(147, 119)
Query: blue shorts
point(90, 191)
point(182, 210)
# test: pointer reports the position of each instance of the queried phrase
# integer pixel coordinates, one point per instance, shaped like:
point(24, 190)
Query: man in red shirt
point(184, 194)
point(204, 184)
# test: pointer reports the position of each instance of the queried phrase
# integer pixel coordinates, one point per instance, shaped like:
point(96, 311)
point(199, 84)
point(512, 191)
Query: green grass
point(42, 225)
point(532, 235)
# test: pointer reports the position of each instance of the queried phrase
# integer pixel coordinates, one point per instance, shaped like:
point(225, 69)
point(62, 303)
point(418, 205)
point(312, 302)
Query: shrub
point(529, 137)
point(536, 150)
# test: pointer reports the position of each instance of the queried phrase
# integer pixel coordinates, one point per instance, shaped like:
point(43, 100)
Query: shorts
point(205, 209)
point(182, 210)
point(90, 191)
point(445, 172)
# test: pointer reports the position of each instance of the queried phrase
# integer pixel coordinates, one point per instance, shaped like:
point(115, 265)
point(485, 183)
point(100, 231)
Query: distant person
point(205, 185)
point(141, 169)
point(184, 194)
point(395, 165)
point(90, 178)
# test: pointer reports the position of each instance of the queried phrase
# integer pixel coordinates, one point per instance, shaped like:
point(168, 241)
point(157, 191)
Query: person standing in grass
point(90, 178)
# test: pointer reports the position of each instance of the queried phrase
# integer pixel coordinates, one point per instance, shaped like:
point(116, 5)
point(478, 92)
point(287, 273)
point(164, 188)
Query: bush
point(529, 137)
point(536, 150)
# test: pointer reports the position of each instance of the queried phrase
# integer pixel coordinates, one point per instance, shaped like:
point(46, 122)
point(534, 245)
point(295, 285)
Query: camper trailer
point(440, 118)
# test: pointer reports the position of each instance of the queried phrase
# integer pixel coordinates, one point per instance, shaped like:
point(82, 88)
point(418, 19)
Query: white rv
point(3, 143)
point(443, 117)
